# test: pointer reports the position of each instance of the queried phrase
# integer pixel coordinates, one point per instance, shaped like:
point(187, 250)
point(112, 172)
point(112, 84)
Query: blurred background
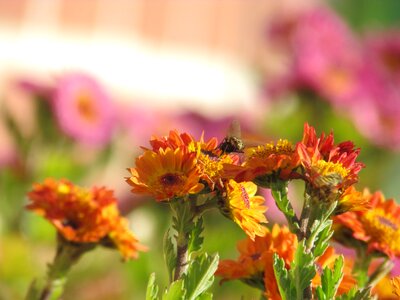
point(83, 84)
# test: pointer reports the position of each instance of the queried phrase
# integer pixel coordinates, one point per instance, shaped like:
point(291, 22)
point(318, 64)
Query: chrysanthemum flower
point(388, 288)
point(280, 159)
point(378, 227)
point(244, 208)
point(83, 216)
point(166, 174)
point(352, 200)
point(255, 263)
point(328, 168)
point(83, 109)
point(210, 159)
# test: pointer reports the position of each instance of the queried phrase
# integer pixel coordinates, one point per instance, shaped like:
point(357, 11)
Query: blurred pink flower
point(326, 56)
point(383, 49)
point(83, 109)
point(361, 80)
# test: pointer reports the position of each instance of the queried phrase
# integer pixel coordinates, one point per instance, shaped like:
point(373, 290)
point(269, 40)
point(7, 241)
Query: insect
point(232, 142)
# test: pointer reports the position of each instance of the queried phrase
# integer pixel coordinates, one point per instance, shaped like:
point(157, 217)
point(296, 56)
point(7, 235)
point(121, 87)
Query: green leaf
point(205, 296)
point(279, 192)
point(322, 238)
point(330, 280)
point(302, 269)
point(176, 291)
point(169, 250)
point(195, 238)
point(152, 288)
point(286, 289)
point(182, 221)
point(354, 294)
point(200, 275)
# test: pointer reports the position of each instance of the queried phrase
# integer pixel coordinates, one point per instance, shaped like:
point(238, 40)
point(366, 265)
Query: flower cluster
point(177, 166)
point(84, 216)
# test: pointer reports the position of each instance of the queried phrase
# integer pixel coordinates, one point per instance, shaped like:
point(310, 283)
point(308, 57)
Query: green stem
point(279, 191)
point(67, 255)
point(304, 219)
point(360, 268)
point(183, 224)
point(380, 272)
point(199, 210)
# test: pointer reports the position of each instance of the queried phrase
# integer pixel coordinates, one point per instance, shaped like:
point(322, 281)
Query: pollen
point(382, 228)
point(325, 168)
point(281, 147)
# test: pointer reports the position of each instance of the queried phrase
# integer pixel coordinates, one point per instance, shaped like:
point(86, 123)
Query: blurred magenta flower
point(358, 78)
point(325, 56)
point(384, 49)
point(83, 109)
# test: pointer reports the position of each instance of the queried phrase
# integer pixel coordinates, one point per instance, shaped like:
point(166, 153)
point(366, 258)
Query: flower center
point(382, 228)
point(281, 147)
point(170, 179)
point(338, 80)
point(86, 107)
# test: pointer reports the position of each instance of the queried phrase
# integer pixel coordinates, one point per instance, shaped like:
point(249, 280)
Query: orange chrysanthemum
point(255, 263)
point(177, 140)
point(83, 216)
point(166, 174)
point(244, 208)
point(280, 159)
point(327, 165)
point(210, 159)
point(352, 200)
point(387, 288)
point(378, 227)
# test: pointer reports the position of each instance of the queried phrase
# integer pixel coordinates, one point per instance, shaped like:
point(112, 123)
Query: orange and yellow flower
point(255, 263)
point(272, 158)
point(244, 208)
point(176, 140)
point(210, 159)
point(352, 200)
point(378, 227)
point(166, 174)
point(388, 288)
point(327, 165)
point(83, 216)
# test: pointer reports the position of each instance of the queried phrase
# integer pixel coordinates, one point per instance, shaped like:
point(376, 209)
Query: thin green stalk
point(360, 269)
point(183, 223)
point(380, 272)
point(66, 256)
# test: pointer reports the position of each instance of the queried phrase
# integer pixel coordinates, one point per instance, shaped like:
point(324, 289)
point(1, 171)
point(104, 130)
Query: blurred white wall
point(168, 53)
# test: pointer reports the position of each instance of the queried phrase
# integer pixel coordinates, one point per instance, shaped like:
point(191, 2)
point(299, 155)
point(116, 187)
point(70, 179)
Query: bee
point(232, 142)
